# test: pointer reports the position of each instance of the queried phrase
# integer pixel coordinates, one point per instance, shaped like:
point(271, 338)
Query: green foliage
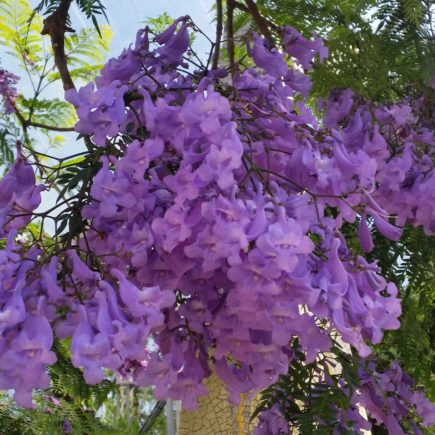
point(46, 418)
point(50, 112)
point(9, 134)
point(86, 51)
point(24, 41)
point(90, 8)
point(6, 153)
point(310, 393)
point(382, 49)
point(69, 400)
point(413, 11)
point(160, 23)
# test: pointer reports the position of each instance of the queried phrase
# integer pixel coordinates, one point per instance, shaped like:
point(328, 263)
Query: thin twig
point(148, 424)
point(49, 127)
point(28, 123)
point(217, 45)
point(262, 23)
point(240, 6)
point(230, 33)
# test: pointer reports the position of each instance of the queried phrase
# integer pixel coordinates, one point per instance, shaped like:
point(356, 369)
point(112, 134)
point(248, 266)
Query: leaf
point(54, 112)
point(413, 11)
point(86, 51)
point(6, 153)
point(24, 41)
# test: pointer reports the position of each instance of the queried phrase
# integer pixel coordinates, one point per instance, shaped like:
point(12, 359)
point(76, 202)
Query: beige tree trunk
point(216, 415)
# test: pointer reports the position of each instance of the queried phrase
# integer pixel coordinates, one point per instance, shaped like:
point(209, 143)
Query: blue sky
point(127, 16)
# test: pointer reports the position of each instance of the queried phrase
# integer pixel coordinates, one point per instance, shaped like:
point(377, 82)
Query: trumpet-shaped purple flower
point(302, 49)
point(271, 422)
point(271, 61)
point(147, 302)
point(174, 43)
point(23, 362)
point(19, 195)
point(101, 111)
point(92, 351)
point(8, 91)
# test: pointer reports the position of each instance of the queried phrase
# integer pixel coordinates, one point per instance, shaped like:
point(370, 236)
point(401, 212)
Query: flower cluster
point(19, 195)
point(7, 89)
point(388, 398)
point(402, 142)
point(26, 335)
point(214, 224)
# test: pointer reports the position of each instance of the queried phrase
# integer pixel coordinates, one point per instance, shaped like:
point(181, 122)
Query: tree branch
point(230, 32)
point(240, 6)
point(55, 26)
point(148, 424)
point(261, 22)
point(49, 127)
point(217, 45)
point(28, 123)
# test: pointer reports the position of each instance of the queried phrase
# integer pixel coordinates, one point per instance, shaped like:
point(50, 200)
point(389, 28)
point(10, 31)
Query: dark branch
point(148, 424)
point(217, 46)
point(28, 123)
point(262, 23)
point(49, 127)
point(230, 32)
point(240, 6)
point(55, 26)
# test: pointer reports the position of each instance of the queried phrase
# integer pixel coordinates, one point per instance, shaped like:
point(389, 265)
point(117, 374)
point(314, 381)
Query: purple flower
point(256, 275)
point(302, 49)
point(100, 111)
point(13, 311)
point(112, 191)
point(172, 228)
point(120, 69)
point(7, 89)
point(137, 159)
point(272, 422)
point(158, 372)
point(384, 227)
point(337, 107)
point(66, 426)
point(283, 243)
point(91, 351)
point(147, 302)
point(425, 408)
point(23, 363)
point(174, 43)
point(19, 195)
point(49, 281)
point(270, 60)
point(187, 390)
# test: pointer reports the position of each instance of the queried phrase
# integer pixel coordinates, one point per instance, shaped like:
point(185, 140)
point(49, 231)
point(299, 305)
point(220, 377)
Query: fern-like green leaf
point(54, 112)
point(86, 51)
point(24, 41)
point(413, 11)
